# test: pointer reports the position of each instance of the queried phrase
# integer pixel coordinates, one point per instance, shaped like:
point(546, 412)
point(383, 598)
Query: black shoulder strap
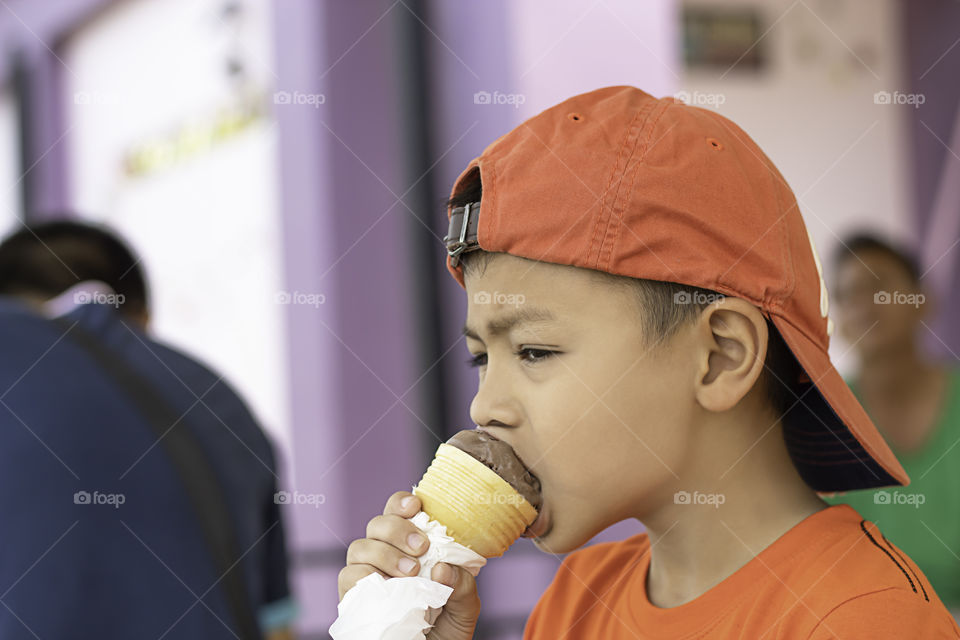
point(191, 464)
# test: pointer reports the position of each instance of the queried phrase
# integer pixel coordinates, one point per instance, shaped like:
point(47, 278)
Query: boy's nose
point(495, 404)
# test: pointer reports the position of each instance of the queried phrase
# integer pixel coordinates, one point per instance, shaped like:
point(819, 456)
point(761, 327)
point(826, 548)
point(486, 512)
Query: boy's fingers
point(399, 532)
point(384, 557)
point(444, 574)
point(459, 617)
point(352, 574)
point(462, 581)
point(403, 504)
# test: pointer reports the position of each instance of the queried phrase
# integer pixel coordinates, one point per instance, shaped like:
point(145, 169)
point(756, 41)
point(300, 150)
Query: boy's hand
point(391, 549)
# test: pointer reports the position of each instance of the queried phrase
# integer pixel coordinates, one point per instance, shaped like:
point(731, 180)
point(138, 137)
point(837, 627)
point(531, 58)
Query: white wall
point(10, 173)
point(208, 225)
point(575, 47)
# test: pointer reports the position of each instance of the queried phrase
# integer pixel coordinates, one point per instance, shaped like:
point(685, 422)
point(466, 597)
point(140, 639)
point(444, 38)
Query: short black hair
point(662, 315)
point(46, 259)
point(859, 242)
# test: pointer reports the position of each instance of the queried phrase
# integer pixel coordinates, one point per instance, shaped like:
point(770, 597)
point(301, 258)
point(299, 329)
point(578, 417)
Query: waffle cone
point(479, 508)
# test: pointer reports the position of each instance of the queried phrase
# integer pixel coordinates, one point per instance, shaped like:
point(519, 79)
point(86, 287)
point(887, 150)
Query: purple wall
point(31, 34)
point(357, 434)
point(933, 69)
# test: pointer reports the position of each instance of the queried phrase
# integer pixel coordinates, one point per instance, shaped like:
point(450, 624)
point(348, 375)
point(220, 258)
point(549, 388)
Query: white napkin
point(377, 608)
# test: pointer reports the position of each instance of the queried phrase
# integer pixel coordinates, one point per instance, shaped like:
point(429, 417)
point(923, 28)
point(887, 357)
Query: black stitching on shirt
point(919, 581)
point(877, 545)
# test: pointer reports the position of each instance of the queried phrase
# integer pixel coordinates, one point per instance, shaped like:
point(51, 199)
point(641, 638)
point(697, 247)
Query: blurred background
point(280, 166)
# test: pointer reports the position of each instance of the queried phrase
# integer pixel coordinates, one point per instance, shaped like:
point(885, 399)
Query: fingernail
point(446, 575)
point(406, 502)
point(415, 540)
point(406, 565)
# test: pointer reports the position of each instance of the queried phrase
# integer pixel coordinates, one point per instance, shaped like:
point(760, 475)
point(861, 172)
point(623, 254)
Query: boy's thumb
point(463, 608)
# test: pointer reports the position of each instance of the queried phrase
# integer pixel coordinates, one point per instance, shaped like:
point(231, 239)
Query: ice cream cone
point(479, 508)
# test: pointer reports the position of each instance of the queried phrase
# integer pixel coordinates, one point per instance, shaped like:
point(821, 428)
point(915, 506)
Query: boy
point(661, 354)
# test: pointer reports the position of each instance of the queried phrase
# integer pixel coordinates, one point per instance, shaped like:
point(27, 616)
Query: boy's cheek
point(600, 481)
point(579, 471)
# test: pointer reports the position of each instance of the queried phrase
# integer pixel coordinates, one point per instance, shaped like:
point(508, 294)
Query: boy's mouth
point(526, 468)
point(540, 526)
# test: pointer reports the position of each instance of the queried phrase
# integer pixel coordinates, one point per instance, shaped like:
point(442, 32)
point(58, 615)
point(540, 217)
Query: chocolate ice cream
point(500, 457)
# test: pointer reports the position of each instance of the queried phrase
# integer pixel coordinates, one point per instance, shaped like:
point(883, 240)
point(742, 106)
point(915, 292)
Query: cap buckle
point(464, 239)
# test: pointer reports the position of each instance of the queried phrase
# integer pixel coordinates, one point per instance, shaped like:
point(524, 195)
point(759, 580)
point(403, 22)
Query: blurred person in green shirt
point(881, 310)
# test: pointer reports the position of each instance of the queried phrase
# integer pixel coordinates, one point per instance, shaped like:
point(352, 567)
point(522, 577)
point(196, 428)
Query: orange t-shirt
point(833, 575)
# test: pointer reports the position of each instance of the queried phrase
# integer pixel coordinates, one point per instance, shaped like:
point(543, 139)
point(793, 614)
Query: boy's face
point(567, 380)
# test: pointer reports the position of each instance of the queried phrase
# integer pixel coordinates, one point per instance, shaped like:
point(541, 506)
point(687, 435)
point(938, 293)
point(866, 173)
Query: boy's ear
point(732, 346)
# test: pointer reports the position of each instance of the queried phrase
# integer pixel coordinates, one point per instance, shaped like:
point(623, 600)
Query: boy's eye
point(532, 356)
point(528, 356)
point(478, 360)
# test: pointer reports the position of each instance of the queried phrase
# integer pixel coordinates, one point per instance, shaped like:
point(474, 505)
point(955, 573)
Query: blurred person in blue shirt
point(100, 527)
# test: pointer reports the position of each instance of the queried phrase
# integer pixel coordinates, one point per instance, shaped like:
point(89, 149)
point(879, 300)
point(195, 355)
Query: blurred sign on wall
point(721, 37)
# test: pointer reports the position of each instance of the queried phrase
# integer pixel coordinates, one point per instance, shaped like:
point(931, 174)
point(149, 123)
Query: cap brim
point(832, 441)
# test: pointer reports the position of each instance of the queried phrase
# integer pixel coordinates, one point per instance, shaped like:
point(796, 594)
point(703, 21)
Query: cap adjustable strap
point(462, 235)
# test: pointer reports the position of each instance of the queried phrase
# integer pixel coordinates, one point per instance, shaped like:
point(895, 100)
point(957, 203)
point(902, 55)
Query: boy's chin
point(558, 541)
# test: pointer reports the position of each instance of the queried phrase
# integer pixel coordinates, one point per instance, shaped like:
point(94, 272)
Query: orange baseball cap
point(618, 181)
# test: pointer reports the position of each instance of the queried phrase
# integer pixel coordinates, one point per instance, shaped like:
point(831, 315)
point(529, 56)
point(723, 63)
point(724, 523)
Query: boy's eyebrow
point(506, 322)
